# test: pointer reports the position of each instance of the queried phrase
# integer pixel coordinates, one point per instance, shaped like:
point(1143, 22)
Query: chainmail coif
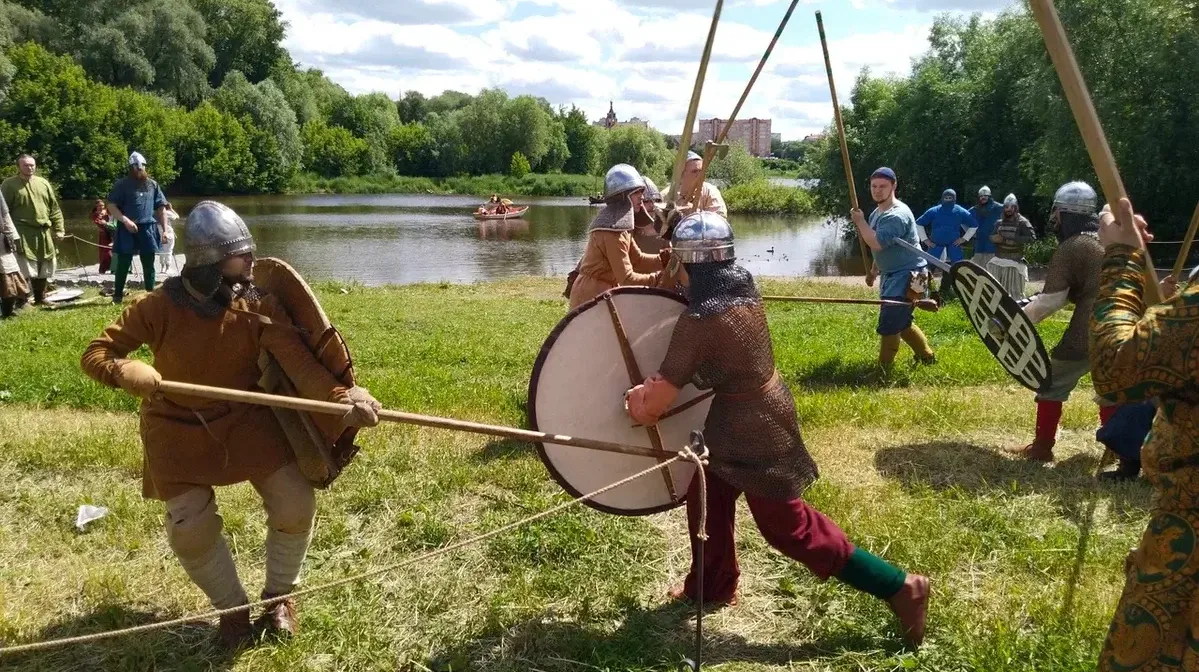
point(717, 286)
point(209, 282)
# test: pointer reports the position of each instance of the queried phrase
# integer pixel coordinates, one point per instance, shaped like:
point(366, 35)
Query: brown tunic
point(751, 429)
point(612, 259)
point(233, 442)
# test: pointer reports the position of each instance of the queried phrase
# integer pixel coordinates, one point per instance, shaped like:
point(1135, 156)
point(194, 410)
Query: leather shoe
point(235, 630)
point(279, 619)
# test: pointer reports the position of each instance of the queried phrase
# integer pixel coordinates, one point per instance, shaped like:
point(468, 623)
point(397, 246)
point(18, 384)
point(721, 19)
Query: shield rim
point(543, 354)
point(953, 274)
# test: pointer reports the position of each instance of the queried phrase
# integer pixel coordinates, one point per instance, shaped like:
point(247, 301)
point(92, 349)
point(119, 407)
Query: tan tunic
point(234, 442)
point(710, 200)
point(613, 259)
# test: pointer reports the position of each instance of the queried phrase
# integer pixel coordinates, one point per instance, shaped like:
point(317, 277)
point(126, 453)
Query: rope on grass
point(685, 454)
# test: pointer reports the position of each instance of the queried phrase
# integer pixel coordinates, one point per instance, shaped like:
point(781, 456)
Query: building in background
point(814, 137)
point(753, 134)
point(609, 121)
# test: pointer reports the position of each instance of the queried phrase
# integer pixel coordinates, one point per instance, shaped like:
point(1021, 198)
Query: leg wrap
point(917, 342)
point(290, 504)
point(194, 533)
point(888, 349)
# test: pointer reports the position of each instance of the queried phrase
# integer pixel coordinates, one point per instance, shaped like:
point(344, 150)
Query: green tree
point(484, 122)
point(449, 101)
point(215, 154)
point(526, 128)
point(332, 151)
point(151, 126)
point(265, 114)
point(583, 142)
point(738, 166)
point(519, 166)
point(414, 150)
point(642, 148)
point(413, 107)
point(246, 35)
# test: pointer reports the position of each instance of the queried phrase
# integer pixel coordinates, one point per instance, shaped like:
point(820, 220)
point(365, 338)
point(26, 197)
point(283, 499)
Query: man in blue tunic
point(904, 273)
point(138, 205)
point(985, 213)
point(945, 227)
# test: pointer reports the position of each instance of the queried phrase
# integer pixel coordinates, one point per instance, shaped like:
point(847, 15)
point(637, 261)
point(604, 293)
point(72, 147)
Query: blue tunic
point(895, 262)
point(138, 201)
point(946, 223)
point(985, 217)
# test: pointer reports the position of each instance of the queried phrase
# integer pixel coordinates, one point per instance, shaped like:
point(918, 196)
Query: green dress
point(1142, 353)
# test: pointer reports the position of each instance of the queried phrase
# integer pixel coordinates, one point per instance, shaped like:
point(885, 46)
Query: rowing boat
point(511, 214)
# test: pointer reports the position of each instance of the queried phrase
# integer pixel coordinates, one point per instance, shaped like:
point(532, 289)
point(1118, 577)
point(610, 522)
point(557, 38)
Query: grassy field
point(1025, 560)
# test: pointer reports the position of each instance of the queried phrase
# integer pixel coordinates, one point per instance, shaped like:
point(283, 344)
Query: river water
point(409, 238)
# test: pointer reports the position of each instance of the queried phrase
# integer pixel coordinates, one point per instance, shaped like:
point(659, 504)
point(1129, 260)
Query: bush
point(762, 197)
point(737, 167)
point(1040, 250)
point(519, 166)
point(332, 151)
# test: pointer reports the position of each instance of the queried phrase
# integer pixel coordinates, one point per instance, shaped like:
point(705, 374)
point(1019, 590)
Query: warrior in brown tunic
point(722, 342)
point(209, 326)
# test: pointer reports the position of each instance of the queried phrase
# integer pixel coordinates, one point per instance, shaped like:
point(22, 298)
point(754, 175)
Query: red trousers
point(793, 527)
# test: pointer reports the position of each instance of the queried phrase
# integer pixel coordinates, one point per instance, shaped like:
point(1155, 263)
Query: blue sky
point(641, 54)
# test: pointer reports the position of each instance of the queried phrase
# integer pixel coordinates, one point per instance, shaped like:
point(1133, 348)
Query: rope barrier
point(686, 454)
point(88, 242)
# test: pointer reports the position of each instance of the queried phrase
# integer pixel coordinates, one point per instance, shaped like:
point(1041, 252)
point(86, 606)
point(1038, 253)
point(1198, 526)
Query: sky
point(640, 54)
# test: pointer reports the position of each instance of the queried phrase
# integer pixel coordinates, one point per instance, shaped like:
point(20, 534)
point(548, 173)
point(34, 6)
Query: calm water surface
point(408, 238)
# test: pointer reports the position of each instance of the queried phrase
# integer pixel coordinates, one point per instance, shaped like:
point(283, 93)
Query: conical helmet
point(214, 232)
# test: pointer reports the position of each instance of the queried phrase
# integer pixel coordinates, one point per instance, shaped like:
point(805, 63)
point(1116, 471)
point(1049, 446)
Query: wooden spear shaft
point(710, 150)
point(1087, 119)
point(1186, 245)
point(680, 159)
point(822, 299)
point(329, 408)
point(832, 87)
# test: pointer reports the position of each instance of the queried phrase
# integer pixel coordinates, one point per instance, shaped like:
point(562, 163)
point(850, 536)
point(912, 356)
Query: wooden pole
point(832, 87)
point(710, 150)
point(1087, 119)
point(680, 158)
point(1186, 245)
point(328, 408)
point(923, 304)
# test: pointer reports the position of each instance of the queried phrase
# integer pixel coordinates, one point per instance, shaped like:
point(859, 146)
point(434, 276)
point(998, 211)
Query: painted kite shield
point(322, 446)
point(579, 380)
point(1004, 328)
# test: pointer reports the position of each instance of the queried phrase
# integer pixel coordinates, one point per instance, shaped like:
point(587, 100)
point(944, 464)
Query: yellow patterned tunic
point(1137, 354)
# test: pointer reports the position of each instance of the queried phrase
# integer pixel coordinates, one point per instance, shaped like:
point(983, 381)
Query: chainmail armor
point(722, 343)
point(208, 281)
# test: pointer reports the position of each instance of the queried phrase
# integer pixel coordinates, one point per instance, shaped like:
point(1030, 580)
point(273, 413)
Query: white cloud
point(410, 12)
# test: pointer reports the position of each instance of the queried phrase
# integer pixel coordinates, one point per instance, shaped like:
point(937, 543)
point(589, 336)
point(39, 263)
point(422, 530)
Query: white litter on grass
point(87, 513)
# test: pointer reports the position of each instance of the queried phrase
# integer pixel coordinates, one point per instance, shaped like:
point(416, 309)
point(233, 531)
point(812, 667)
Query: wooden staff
point(1087, 119)
point(329, 408)
point(923, 304)
point(832, 87)
point(1186, 245)
point(680, 158)
point(710, 149)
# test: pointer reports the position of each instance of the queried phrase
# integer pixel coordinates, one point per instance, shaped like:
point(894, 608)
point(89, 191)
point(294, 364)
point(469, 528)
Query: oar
point(680, 158)
point(1186, 245)
point(832, 87)
point(711, 148)
point(1088, 124)
point(923, 304)
point(329, 408)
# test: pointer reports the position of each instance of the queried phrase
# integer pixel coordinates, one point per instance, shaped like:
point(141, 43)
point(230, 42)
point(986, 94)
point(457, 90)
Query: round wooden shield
point(578, 387)
point(1004, 328)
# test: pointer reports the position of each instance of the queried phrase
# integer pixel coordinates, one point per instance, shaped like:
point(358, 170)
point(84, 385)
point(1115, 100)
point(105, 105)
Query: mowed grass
point(1026, 561)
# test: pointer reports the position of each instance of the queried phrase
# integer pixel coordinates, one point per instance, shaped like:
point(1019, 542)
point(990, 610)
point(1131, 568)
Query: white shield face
point(1005, 329)
point(577, 389)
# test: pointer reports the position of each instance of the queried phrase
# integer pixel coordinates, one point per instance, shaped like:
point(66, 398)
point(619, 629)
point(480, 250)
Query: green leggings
point(122, 264)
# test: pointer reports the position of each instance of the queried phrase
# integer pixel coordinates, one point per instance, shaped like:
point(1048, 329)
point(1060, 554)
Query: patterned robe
point(1141, 353)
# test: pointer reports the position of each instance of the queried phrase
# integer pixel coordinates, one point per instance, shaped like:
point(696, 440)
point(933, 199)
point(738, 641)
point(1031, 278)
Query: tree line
point(985, 106)
point(205, 90)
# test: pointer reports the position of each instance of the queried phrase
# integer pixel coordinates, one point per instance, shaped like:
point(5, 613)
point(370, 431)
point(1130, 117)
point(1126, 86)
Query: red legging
point(793, 527)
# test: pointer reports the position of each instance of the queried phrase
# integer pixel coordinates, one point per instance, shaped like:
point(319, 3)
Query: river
point(409, 238)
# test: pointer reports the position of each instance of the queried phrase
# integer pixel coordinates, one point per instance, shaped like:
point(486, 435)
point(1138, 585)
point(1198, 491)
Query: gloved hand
point(138, 378)
point(664, 255)
point(366, 408)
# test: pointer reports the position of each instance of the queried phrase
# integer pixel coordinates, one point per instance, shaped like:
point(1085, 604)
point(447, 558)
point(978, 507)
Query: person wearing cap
point(211, 326)
point(38, 221)
point(138, 205)
point(904, 273)
point(722, 342)
point(612, 257)
point(1012, 234)
point(709, 199)
point(986, 213)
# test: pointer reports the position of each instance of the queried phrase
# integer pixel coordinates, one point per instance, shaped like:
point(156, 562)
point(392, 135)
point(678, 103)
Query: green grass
point(476, 185)
point(1025, 560)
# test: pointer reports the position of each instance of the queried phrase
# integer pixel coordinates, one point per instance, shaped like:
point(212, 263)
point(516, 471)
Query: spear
point(680, 158)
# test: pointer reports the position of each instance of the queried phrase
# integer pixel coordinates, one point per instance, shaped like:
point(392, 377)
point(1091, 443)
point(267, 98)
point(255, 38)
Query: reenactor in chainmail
point(721, 342)
point(1073, 277)
point(209, 326)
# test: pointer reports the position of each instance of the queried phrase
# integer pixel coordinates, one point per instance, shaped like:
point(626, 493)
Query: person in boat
point(904, 273)
point(612, 257)
point(721, 342)
point(210, 325)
